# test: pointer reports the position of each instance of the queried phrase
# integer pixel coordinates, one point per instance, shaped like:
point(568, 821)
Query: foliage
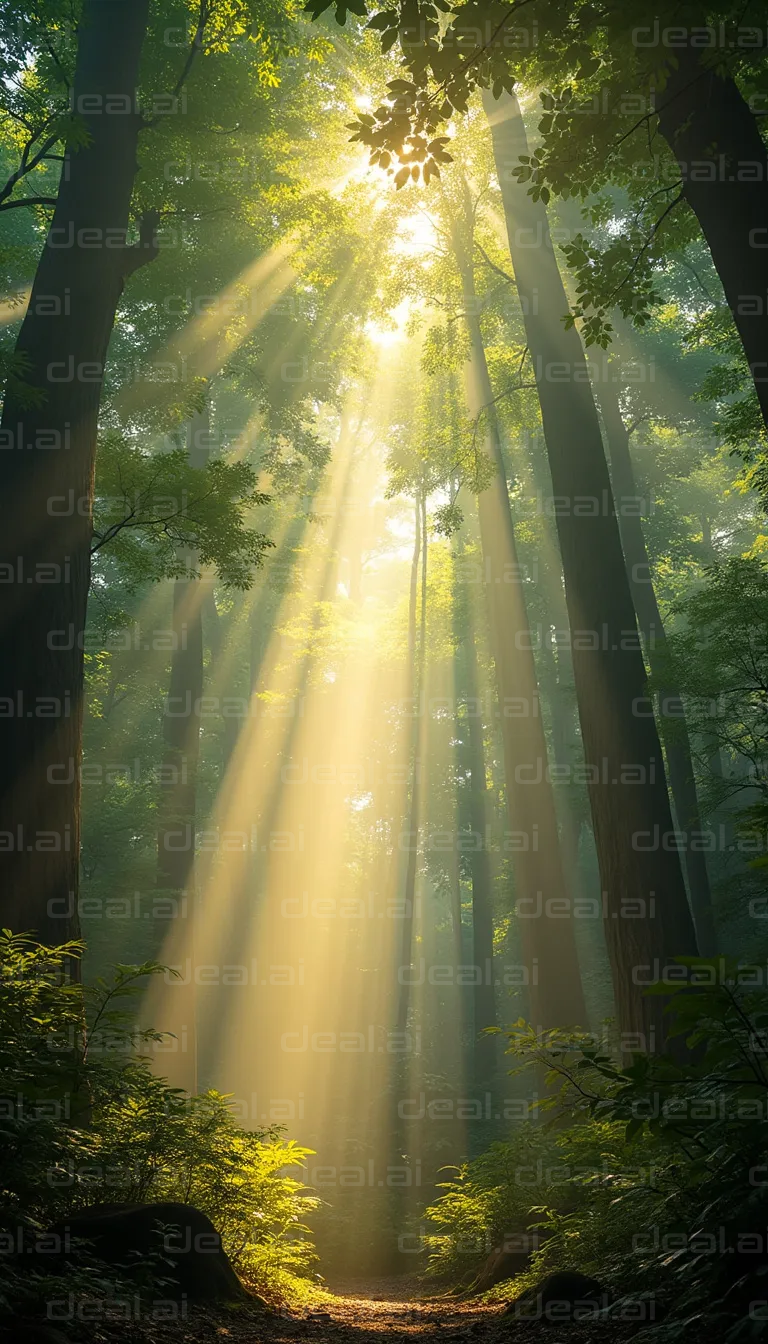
point(163, 518)
point(278, 257)
point(719, 655)
point(486, 1203)
point(84, 1120)
point(650, 1176)
point(164, 1146)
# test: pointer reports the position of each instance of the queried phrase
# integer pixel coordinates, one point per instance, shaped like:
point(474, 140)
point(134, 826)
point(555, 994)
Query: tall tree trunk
point(716, 140)
point(216, 637)
point(181, 736)
point(177, 806)
point(544, 912)
point(674, 728)
point(459, 814)
point(484, 1055)
point(416, 663)
point(47, 483)
point(457, 927)
point(557, 685)
point(647, 919)
point(569, 813)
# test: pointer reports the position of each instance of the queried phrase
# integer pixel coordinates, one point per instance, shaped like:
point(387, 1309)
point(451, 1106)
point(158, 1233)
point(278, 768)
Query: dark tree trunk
point(181, 722)
point(716, 140)
point(569, 814)
point(176, 833)
point(416, 663)
point(557, 685)
point(181, 735)
point(177, 806)
point(484, 997)
point(216, 636)
point(544, 913)
point(674, 728)
point(199, 449)
point(647, 919)
point(457, 928)
point(47, 484)
point(460, 818)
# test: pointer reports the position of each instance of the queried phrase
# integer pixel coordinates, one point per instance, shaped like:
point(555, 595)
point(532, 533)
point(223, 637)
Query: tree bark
point(177, 806)
point(674, 728)
point(557, 684)
point(457, 927)
point(181, 722)
point(646, 915)
point(544, 912)
point(47, 484)
point(181, 735)
point(216, 643)
point(716, 140)
point(484, 998)
point(417, 663)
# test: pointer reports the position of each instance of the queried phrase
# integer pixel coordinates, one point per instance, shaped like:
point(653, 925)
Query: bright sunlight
point(384, 805)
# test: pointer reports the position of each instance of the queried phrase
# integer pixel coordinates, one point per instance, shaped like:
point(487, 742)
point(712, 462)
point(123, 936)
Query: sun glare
point(390, 335)
point(416, 235)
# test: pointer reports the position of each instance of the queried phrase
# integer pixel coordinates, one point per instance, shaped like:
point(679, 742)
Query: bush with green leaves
point(653, 1175)
point(486, 1202)
point(718, 654)
point(84, 1120)
point(157, 1145)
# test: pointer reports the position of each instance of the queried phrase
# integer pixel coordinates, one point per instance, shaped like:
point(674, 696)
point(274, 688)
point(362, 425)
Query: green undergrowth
point(651, 1177)
point(84, 1120)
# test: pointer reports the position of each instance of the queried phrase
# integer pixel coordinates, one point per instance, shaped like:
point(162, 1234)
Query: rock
point(193, 1259)
point(566, 1295)
point(507, 1261)
point(499, 1266)
point(25, 1330)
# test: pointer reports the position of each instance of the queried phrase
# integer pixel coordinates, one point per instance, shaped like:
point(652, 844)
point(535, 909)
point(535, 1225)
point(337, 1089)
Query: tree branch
point(27, 164)
point(517, 387)
point(57, 62)
point(644, 248)
point(492, 38)
point(630, 429)
point(203, 16)
point(147, 248)
point(688, 266)
point(28, 200)
point(493, 265)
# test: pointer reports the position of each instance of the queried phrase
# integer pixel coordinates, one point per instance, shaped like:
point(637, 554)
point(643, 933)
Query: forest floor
point(372, 1311)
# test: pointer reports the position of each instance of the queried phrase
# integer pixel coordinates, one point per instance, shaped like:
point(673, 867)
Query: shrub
point(83, 1120)
point(161, 1145)
point(655, 1175)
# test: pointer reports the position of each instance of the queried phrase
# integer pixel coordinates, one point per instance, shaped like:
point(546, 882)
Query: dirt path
point(360, 1312)
point(368, 1311)
point(364, 1311)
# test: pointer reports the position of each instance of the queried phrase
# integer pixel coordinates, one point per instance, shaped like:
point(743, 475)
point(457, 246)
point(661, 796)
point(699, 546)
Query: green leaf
point(385, 19)
point(318, 7)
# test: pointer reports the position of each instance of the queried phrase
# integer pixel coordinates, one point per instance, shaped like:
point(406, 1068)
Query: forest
point(384, 671)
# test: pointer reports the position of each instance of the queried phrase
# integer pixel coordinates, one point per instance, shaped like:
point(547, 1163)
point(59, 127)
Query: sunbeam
point(383, 682)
